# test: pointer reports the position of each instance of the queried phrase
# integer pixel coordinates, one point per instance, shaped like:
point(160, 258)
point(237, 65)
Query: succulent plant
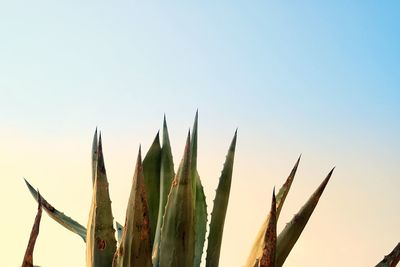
point(166, 216)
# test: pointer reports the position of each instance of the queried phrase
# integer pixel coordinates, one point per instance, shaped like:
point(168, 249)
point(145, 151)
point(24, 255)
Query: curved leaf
point(58, 216)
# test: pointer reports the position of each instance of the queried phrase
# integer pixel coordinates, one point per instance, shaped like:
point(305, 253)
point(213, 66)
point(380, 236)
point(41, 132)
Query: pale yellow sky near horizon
point(352, 221)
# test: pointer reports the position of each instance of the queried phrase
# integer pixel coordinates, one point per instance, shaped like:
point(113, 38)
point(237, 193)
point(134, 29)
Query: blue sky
point(307, 77)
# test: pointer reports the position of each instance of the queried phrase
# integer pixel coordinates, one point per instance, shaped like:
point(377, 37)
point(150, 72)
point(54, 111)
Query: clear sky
point(321, 79)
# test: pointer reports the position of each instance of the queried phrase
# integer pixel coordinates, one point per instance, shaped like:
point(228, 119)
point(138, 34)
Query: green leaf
point(134, 248)
point(100, 236)
point(257, 249)
point(193, 154)
point(151, 172)
point(58, 216)
point(219, 209)
point(392, 259)
point(292, 231)
point(199, 198)
point(167, 174)
point(200, 221)
point(28, 258)
point(269, 244)
point(177, 232)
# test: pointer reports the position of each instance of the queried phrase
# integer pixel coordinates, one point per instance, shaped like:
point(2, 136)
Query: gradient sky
point(317, 79)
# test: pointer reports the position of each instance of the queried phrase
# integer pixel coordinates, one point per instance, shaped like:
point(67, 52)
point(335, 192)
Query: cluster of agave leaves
point(166, 216)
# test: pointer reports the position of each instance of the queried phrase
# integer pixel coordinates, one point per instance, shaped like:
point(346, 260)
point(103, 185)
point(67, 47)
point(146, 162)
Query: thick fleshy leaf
point(100, 236)
point(151, 172)
point(257, 249)
point(193, 152)
point(392, 259)
point(269, 244)
point(167, 174)
point(28, 258)
point(58, 216)
point(135, 248)
point(292, 231)
point(219, 209)
point(199, 198)
point(200, 221)
point(177, 232)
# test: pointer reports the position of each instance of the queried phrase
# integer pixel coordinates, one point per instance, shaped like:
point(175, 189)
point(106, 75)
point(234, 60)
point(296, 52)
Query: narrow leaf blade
point(167, 174)
point(58, 216)
point(200, 221)
point(269, 246)
point(28, 258)
point(292, 231)
point(94, 156)
point(257, 249)
point(219, 209)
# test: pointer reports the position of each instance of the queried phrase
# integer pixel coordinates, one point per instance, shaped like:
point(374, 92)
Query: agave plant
point(166, 216)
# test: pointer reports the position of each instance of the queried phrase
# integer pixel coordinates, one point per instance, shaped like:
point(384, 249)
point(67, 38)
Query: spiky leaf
point(269, 244)
point(392, 259)
point(167, 174)
point(151, 172)
point(177, 232)
point(100, 236)
point(292, 231)
point(134, 248)
point(94, 156)
point(58, 216)
point(219, 209)
point(200, 221)
point(257, 249)
point(28, 258)
point(199, 198)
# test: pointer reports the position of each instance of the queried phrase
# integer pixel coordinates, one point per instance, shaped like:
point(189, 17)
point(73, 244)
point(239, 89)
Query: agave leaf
point(200, 221)
point(28, 258)
point(219, 210)
point(199, 198)
point(58, 216)
point(94, 156)
point(292, 231)
point(151, 172)
point(120, 229)
point(392, 259)
point(166, 176)
point(100, 236)
point(257, 249)
point(193, 156)
point(177, 232)
point(269, 246)
point(135, 248)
